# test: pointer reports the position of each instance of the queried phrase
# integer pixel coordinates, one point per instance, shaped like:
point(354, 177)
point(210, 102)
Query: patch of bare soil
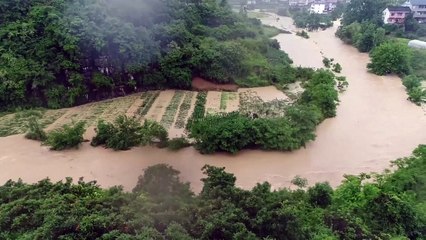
point(200, 84)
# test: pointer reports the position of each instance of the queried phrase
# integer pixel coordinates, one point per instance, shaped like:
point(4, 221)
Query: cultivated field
point(171, 108)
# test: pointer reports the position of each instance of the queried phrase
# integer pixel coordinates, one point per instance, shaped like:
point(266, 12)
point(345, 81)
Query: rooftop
point(418, 2)
point(399, 9)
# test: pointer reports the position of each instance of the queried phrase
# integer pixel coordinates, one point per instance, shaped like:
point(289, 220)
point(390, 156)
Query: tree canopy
point(60, 53)
point(390, 57)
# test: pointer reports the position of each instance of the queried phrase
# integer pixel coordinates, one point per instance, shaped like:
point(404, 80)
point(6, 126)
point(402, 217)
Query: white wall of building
point(317, 8)
point(386, 15)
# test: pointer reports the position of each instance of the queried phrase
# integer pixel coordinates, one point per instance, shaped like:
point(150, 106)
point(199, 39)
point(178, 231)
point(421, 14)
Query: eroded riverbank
point(374, 124)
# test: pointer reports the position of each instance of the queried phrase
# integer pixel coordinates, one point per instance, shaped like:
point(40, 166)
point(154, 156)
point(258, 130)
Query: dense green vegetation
point(413, 86)
point(60, 53)
point(390, 57)
point(66, 137)
point(377, 206)
point(311, 21)
point(235, 131)
point(126, 132)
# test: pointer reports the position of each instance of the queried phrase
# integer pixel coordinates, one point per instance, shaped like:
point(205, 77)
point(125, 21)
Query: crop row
point(199, 109)
point(184, 110)
point(171, 110)
point(148, 99)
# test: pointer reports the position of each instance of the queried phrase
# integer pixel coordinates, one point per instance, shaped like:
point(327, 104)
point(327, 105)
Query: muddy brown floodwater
point(374, 125)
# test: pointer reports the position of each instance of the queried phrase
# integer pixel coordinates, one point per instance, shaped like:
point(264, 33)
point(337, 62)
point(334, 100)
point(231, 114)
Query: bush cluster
point(66, 137)
point(35, 131)
point(126, 132)
point(233, 132)
point(414, 89)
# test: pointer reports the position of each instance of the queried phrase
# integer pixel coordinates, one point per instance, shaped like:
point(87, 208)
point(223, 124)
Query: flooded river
point(374, 125)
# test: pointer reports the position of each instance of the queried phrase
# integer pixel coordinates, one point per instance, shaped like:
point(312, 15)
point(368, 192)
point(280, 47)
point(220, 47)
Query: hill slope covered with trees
point(58, 53)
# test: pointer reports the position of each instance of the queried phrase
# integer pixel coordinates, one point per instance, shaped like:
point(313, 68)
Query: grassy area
point(271, 31)
point(16, 123)
point(257, 15)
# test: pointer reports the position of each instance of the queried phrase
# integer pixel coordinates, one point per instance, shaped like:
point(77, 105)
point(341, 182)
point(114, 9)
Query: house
point(322, 6)
point(395, 14)
point(418, 8)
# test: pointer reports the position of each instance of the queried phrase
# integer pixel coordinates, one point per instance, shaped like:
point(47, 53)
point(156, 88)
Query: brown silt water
point(375, 124)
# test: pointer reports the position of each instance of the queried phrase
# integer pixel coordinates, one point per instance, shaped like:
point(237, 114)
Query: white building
point(317, 8)
point(322, 6)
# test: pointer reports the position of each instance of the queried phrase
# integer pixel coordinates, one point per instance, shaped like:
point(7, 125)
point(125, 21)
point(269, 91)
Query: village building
point(322, 6)
point(395, 14)
point(418, 8)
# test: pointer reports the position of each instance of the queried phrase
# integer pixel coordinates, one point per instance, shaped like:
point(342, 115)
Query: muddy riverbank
point(374, 125)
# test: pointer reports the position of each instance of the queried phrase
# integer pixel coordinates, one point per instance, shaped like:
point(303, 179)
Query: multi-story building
point(322, 6)
point(395, 14)
point(418, 7)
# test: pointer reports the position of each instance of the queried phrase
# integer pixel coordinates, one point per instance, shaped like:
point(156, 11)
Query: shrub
point(152, 131)
point(103, 131)
point(411, 82)
point(326, 62)
point(320, 91)
point(303, 34)
point(337, 68)
point(69, 136)
point(416, 95)
point(228, 132)
point(35, 131)
point(178, 143)
point(126, 132)
point(274, 134)
point(299, 181)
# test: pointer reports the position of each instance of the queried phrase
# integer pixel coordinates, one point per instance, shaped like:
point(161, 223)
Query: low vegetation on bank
point(161, 206)
point(303, 34)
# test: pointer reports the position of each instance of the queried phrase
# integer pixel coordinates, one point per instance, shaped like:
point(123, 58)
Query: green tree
point(364, 10)
point(390, 57)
